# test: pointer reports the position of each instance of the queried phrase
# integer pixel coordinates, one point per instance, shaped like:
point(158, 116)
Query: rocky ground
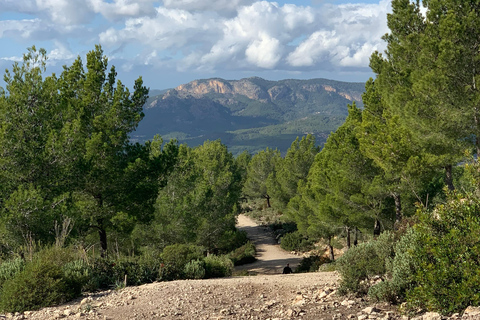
point(266, 295)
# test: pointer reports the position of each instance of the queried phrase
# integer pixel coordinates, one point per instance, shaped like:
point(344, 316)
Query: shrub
point(195, 269)
point(400, 270)
point(175, 257)
point(232, 240)
point(243, 255)
point(311, 264)
point(40, 284)
point(9, 268)
point(295, 241)
point(361, 263)
point(78, 274)
point(446, 259)
point(102, 275)
point(218, 266)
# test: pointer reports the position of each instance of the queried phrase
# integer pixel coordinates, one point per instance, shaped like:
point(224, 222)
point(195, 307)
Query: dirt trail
point(270, 257)
point(269, 295)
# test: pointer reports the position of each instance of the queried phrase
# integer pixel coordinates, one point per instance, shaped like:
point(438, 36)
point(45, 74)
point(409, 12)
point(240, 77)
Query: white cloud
point(20, 28)
point(264, 52)
point(119, 9)
point(318, 47)
point(65, 12)
point(225, 6)
point(169, 29)
point(216, 35)
point(61, 53)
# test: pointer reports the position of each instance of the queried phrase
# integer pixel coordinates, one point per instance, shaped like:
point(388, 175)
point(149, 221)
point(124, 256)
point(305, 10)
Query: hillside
point(248, 114)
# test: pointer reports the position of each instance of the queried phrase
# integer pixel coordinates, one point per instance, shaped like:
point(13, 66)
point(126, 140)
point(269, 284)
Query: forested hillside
point(248, 114)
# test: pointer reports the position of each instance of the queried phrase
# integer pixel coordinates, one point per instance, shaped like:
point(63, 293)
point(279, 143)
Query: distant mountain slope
point(248, 114)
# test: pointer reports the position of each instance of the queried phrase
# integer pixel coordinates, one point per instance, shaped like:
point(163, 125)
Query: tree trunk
point(398, 208)
point(376, 229)
point(355, 237)
point(348, 237)
point(330, 248)
point(477, 123)
point(103, 239)
point(449, 177)
point(267, 197)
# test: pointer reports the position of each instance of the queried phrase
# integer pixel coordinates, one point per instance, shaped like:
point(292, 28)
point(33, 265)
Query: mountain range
point(248, 114)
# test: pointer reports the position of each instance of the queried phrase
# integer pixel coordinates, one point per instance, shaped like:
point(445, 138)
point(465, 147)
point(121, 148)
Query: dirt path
point(268, 295)
point(271, 259)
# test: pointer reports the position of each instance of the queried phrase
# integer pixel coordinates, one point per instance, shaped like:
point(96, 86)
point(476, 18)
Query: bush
point(295, 241)
point(400, 270)
point(9, 268)
point(218, 266)
point(102, 275)
point(361, 263)
point(243, 255)
point(40, 284)
point(446, 277)
point(195, 269)
point(78, 274)
point(311, 264)
point(232, 240)
point(175, 257)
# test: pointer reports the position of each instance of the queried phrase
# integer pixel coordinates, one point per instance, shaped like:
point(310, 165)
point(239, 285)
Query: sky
point(172, 42)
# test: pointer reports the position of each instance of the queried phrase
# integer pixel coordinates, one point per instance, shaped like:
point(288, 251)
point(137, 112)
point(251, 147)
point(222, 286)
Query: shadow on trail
point(271, 259)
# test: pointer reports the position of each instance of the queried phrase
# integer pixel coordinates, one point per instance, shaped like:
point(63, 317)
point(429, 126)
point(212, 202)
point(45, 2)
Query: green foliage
point(282, 184)
point(243, 255)
point(260, 168)
point(400, 270)
point(199, 203)
point(175, 257)
point(218, 266)
point(9, 268)
point(295, 241)
point(42, 283)
point(231, 240)
point(195, 269)
point(362, 263)
point(79, 273)
point(446, 259)
point(312, 263)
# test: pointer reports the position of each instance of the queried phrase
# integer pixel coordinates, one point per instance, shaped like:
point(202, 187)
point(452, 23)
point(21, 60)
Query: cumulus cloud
point(225, 6)
point(264, 52)
point(207, 35)
point(65, 12)
point(261, 34)
point(119, 9)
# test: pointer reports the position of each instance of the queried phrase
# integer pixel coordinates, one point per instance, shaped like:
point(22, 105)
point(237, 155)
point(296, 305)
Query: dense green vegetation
point(83, 208)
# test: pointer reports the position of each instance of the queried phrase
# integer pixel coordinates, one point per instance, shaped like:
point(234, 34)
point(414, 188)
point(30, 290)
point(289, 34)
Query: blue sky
point(172, 42)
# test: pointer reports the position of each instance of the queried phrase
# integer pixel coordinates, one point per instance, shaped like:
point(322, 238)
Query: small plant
point(195, 269)
point(119, 285)
point(9, 268)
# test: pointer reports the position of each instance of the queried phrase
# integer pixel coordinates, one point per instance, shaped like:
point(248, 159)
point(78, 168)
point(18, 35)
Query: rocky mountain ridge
point(249, 114)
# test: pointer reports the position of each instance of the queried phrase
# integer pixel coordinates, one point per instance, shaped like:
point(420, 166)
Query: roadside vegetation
point(396, 187)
